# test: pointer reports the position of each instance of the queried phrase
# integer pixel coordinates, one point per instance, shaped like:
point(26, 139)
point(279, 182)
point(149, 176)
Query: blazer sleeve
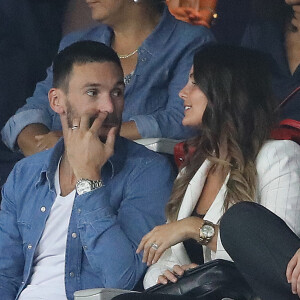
point(278, 168)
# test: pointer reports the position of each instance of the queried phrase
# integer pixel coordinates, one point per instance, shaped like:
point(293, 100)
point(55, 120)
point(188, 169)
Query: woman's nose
point(183, 93)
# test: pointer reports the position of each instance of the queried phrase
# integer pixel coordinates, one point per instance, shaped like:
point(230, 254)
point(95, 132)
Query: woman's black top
point(193, 248)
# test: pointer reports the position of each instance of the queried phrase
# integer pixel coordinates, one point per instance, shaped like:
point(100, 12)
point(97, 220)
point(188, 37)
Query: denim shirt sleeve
point(11, 246)
point(167, 122)
point(37, 108)
point(145, 192)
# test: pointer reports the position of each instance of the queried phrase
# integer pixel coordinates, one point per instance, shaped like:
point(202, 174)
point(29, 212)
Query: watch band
point(84, 185)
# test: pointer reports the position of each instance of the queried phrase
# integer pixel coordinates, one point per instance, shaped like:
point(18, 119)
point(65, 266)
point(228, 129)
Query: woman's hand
point(293, 273)
point(48, 140)
point(163, 237)
point(177, 271)
point(191, 15)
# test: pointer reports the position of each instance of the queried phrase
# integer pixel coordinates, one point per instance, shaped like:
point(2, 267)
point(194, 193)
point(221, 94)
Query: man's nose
point(106, 104)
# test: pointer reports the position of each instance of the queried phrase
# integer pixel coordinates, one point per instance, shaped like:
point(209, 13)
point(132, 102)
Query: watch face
point(83, 187)
point(207, 231)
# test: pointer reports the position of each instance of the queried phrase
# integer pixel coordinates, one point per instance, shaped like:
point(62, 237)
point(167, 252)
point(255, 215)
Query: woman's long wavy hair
point(240, 111)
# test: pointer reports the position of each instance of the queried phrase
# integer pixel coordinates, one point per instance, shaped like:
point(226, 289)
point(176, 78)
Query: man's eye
point(92, 93)
point(117, 93)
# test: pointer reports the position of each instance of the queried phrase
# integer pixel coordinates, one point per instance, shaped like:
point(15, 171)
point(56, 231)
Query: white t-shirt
point(48, 278)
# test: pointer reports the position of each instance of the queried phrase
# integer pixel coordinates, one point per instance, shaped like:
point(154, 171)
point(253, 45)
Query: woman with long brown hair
point(228, 98)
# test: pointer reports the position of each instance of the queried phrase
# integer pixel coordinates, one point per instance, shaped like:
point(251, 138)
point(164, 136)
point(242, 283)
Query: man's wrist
point(84, 185)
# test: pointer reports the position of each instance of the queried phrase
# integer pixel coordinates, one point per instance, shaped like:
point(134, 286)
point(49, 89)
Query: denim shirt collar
point(161, 33)
point(157, 39)
point(50, 166)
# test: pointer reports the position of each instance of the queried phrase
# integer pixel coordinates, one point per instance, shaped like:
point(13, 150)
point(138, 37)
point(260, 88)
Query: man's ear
point(56, 100)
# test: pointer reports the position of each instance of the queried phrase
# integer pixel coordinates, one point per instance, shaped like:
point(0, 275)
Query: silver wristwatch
point(86, 185)
point(206, 232)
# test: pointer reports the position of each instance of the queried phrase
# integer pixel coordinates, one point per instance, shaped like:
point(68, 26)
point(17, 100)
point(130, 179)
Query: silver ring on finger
point(154, 246)
point(75, 127)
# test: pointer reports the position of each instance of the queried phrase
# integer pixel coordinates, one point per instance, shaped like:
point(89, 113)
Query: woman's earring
point(135, 1)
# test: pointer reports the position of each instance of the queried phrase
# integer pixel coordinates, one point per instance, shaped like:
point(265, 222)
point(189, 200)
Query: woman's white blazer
point(278, 189)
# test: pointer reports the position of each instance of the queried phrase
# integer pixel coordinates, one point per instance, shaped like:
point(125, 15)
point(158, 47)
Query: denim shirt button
point(43, 209)
point(85, 247)
point(29, 246)
point(144, 59)
point(72, 274)
point(79, 210)
point(22, 282)
point(74, 235)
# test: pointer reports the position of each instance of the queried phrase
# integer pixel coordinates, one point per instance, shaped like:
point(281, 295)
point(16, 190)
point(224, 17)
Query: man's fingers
point(84, 122)
point(64, 120)
point(111, 137)
point(98, 123)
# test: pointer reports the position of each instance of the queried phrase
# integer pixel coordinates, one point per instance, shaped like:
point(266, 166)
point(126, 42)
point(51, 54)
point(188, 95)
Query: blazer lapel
point(193, 191)
point(216, 210)
point(188, 204)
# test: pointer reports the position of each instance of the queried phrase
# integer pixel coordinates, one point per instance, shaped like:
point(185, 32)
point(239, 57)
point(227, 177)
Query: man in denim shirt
point(55, 238)
point(152, 106)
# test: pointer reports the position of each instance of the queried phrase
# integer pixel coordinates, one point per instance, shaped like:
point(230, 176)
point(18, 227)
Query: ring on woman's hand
point(75, 127)
point(154, 246)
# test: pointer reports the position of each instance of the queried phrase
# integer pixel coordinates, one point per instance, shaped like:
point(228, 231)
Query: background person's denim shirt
point(151, 97)
point(109, 222)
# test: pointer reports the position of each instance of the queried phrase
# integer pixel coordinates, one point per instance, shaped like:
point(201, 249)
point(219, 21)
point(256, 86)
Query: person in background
point(226, 18)
point(233, 160)
point(196, 12)
point(29, 40)
point(155, 51)
point(275, 30)
point(68, 215)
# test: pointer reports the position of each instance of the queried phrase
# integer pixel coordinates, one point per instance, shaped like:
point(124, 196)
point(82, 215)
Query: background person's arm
point(37, 109)
point(166, 122)
point(130, 131)
point(37, 137)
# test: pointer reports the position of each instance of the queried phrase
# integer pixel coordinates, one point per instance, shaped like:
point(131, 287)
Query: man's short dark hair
point(80, 53)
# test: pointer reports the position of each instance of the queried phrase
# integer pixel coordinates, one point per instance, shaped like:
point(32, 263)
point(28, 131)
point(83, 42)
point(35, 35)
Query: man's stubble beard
point(111, 120)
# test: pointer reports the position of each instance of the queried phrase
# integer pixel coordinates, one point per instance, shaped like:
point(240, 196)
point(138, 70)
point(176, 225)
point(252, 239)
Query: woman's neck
point(131, 32)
